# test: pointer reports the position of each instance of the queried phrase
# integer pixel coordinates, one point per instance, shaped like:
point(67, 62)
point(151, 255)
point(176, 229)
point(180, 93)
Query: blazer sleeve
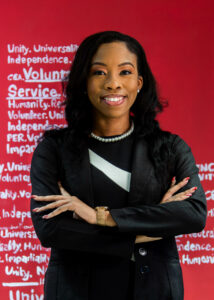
point(172, 218)
point(63, 231)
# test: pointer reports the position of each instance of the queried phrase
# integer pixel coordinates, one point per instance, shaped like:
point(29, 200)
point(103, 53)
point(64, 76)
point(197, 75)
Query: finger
point(144, 239)
point(62, 190)
point(50, 206)
point(177, 187)
point(179, 197)
point(182, 196)
point(57, 211)
point(48, 198)
point(191, 190)
point(173, 181)
point(188, 192)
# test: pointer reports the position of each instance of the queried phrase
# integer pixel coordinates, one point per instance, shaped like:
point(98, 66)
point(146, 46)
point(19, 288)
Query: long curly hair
point(78, 108)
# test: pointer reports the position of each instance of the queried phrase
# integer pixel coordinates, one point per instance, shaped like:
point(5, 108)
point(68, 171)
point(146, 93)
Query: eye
point(125, 72)
point(98, 72)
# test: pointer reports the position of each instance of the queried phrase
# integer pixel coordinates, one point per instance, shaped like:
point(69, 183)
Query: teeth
point(114, 99)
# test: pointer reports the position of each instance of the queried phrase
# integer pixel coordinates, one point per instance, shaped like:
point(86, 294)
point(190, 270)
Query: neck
point(110, 127)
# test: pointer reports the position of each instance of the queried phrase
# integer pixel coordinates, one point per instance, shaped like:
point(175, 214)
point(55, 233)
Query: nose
point(112, 82)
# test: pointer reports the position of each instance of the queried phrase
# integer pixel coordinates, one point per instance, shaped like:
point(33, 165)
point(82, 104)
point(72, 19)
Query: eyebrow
point(120, 65)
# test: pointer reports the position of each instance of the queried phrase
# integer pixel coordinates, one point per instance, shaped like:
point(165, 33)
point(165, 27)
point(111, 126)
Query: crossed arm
point(126, 226)
point(66, 202)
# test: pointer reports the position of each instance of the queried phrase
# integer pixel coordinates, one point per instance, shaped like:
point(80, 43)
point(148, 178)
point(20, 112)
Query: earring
point(138, 91)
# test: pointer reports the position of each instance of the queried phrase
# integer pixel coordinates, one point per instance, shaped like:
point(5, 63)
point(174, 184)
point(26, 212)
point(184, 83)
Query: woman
point(103, 195)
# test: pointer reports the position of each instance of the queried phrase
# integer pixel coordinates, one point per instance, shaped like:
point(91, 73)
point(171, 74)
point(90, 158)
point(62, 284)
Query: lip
point(112, 95)
point(108, 99)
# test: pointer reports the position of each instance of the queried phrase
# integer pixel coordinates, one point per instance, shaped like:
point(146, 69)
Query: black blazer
point(77, 247)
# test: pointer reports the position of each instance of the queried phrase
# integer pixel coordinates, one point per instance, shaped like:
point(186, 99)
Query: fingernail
point(195, 188)
point(35, 209)
point(187, 179)
point(33, 196)
point(189, 195)
point(45, 217)
point(173, 179)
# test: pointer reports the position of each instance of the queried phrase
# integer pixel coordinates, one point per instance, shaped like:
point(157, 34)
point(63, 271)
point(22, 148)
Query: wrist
point(93, 217)
point(74, 206)
point(103, 217)
point(109, 220)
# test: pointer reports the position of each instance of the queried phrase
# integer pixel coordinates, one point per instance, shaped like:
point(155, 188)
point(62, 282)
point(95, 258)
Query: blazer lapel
point(78, 177)
point(142, 169)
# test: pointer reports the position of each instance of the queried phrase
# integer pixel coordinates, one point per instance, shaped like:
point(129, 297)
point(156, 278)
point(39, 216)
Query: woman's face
point(113, 80)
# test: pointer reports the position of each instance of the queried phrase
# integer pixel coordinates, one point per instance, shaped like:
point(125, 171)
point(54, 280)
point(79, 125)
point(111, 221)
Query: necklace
point(114, 139)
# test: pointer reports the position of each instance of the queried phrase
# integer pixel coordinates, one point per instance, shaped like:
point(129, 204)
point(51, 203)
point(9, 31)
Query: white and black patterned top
point(111, 175)
point(111, 171)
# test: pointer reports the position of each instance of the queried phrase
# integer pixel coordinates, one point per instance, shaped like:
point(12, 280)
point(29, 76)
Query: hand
point(145, 239)
point(66, 202)
point(109, 220)
point(169, 195)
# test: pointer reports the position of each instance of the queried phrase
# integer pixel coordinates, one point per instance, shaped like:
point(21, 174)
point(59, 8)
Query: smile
point(113, 100)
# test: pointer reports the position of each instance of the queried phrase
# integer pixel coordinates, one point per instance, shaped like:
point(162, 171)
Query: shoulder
point(54, 137)
point(183, 156)
point(52, 141)
point(48, 153)
point(179, 145)
point(172, 138)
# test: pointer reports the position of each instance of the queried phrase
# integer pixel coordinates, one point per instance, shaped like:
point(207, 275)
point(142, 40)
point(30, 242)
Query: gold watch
point(101, 215)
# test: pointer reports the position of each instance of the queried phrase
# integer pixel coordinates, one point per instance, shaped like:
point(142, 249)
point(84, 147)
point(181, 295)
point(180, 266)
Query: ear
point(140, 82)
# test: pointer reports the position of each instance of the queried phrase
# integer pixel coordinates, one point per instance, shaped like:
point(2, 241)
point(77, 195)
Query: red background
point(178, 39)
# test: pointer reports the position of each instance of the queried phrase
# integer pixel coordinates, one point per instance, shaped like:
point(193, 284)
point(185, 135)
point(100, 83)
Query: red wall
point(178, 39)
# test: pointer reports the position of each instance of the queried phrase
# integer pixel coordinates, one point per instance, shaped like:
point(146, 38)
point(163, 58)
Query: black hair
point(78, 109)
